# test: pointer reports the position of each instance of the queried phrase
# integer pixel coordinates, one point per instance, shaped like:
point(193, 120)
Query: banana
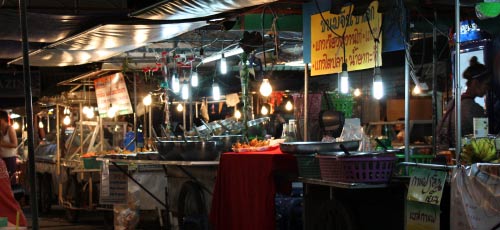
point(473, 143)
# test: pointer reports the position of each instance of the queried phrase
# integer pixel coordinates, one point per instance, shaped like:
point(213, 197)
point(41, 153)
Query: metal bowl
point(188, 150)
point(225, 142)
point(317, 147)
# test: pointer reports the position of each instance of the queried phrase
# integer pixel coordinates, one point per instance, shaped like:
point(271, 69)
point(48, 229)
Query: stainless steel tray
point(317, 147)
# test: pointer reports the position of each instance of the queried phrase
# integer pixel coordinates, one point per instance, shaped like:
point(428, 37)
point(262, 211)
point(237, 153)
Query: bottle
point(292, 130)
point(284, 133)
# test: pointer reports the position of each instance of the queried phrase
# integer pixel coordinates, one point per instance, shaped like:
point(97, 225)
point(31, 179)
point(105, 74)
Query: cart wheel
point(44, 193)
point(334, 215)
point(191, 205)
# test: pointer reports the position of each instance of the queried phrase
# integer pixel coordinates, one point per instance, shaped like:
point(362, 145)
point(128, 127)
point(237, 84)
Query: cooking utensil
point(317, 147)
point(346, 151)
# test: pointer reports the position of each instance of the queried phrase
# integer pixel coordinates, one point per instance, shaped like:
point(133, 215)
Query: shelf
point(160, 162)
point(341, 184)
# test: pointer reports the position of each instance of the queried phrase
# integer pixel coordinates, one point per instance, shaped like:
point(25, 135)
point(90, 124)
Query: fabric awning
point(105, 41)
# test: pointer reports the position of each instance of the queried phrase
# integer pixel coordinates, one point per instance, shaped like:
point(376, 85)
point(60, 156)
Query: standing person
point(8, 205)
point(8, 143)
point(478, 83)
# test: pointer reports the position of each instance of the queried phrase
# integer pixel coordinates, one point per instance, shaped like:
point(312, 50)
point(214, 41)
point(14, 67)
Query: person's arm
point(13, 139)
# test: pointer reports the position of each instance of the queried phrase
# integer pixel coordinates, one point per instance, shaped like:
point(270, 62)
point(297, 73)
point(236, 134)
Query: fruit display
point(479, 150)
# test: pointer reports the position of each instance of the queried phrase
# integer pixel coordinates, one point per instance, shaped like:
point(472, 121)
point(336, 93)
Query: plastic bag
point(127, 215)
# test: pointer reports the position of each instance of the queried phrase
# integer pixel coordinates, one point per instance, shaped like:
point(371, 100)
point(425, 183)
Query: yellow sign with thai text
point(358, 33)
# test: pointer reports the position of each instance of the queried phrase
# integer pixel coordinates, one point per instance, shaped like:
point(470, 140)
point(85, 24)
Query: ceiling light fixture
point(357, 92)
point(185, 91)
point(378, 85)
point(223, 65)
point(194, 79)
point(289, 105)
point(344, 79)
point(215, 91)
point(175, 83)
point(218, 56)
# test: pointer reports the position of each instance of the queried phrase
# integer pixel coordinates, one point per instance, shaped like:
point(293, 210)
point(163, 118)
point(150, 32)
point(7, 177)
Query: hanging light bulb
point(357, 92)
point(194, 79)
point(264, 110)
point(216, 92)
point(265, 88)
point(180, 107)
point(40, 124)
point(417, 90)
point(237, 114)
point(378, 85)
point(90, 114)
point(147, 100)
point(111, 111)
point(66, 120)
point(223, 64)
point(15, 125)
point(175, 83)
point(185, 91)
point(344, 79)
point(85, 109)
point(289, 105)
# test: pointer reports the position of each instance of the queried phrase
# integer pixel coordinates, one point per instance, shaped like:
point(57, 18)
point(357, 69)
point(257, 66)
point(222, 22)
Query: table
point(245, 188)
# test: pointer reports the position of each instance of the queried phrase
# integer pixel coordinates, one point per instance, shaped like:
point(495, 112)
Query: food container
point(317, 147)
point(91, 163)
point(357, 167)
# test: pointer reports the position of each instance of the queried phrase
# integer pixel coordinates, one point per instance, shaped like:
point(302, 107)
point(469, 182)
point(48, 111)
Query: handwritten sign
point(420, 216)
point(426, 186)
point(114, 186)
point(327, 52)
point(112, 90)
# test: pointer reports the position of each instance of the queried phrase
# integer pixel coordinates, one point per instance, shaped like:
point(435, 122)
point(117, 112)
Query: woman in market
point(8, 143)
point(478, 78)
point(8, 205)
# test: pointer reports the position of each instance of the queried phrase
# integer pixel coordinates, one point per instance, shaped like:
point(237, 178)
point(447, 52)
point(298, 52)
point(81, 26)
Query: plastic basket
point(340, 102)
point(91, 163)
point(308, 166)
point(359, 169)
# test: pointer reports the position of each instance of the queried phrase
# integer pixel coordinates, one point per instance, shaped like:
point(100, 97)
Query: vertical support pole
point(28, 95)
point(434, 85)
point(58, 155)
point(80, 118)
point(458, 88)
point(407, 91)
point(306, 95)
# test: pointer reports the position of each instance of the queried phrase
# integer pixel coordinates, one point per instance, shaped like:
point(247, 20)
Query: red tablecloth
point(244, 191)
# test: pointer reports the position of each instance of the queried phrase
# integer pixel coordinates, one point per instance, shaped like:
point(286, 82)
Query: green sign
point(420, 216)
point(426, 186)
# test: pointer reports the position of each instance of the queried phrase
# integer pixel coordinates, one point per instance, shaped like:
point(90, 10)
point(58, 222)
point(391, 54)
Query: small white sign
point(480, 126)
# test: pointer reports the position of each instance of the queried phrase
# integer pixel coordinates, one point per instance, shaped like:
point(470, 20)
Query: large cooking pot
point(225, 142)
point(258, 127)
point(188, 150)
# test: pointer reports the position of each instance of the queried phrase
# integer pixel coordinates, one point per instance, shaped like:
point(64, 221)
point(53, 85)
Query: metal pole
point(28, 95)
point(434, 85)
point(150, 116)
point(306, 93)
point(135, 113)
point(58, 153)
point(407, 94)
point(458, 89)
point(184, 117)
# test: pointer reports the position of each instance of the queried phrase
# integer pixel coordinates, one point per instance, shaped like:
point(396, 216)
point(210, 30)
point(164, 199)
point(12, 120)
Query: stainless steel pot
point(188, 150)
point(317, 147)
point(225, 142)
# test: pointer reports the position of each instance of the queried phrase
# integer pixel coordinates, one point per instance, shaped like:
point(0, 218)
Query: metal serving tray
point(317, 147)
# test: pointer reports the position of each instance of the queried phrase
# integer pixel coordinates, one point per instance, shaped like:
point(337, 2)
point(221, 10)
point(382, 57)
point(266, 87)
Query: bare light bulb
point(175, 83)
point(185, 91)
point(40, 125)
point(223, 65)
point(357, 92)
point(417, 90)
point(15, 125)
point(194, 79)
point(147, 100)
point(378, 85)
point(264, 110)
point(237, 114)
point(216, 92)
point(85, 109)
point(265, 88)
point(111, 111)
point(180, 107)
point(90, 114)
point(288, 106)
point(344, 79)
point(66, 120)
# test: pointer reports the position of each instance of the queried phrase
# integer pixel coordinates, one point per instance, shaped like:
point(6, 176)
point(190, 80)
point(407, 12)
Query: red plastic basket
point(357, 169)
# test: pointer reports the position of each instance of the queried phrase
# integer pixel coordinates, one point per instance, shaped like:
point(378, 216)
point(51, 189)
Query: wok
point(188, 150)
point(317, 147)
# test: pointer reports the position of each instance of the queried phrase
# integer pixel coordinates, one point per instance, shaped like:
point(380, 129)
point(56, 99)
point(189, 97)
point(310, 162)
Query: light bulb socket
point(344, 67)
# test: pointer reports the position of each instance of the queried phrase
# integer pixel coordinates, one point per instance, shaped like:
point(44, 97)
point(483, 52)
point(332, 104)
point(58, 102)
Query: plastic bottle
point(292, 130)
